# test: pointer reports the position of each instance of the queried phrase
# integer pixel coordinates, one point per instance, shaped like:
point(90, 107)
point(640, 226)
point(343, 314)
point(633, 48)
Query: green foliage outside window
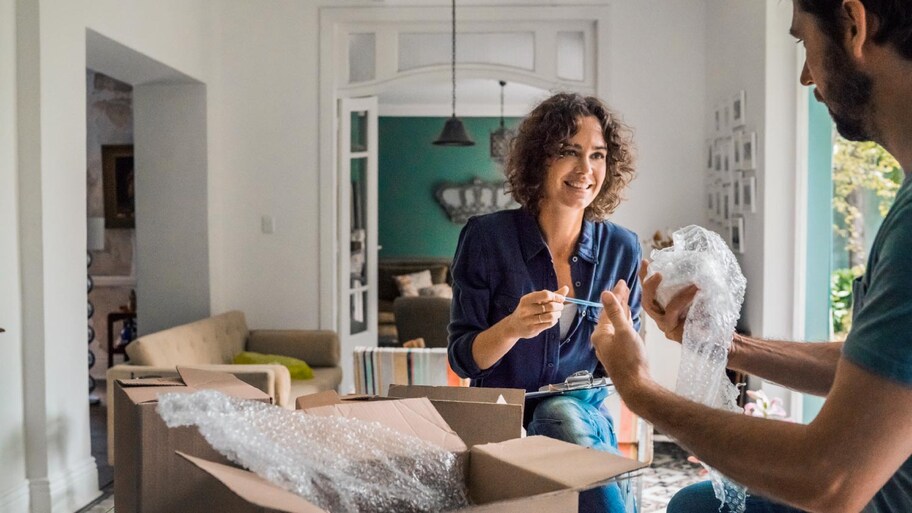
point(841, 300)
point(860, 169)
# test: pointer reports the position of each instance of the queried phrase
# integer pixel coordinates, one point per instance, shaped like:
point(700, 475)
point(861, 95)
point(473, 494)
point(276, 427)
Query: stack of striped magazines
point(378, 367)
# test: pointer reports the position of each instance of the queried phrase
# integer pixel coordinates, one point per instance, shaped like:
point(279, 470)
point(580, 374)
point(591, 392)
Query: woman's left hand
point(536, 312)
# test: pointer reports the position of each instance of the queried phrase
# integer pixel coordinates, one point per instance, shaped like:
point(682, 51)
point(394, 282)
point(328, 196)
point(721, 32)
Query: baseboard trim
point(16, 500)
point(66, 491)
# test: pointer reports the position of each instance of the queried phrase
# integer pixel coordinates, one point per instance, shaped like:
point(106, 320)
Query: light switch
point(267, 224)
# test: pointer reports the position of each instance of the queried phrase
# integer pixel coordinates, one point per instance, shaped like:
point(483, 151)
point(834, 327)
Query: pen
point(582, 302)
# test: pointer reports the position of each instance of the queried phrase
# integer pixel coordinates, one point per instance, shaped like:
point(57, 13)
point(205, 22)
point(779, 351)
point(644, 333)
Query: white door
point(357, 321)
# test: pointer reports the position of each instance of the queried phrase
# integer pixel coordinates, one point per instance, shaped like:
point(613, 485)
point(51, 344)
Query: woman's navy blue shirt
point(502, 257)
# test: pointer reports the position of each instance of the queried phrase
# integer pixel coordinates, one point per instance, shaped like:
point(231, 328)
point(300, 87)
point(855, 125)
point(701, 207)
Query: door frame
point(336, 22)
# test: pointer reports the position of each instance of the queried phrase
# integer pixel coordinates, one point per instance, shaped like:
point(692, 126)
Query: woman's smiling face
point(576, 174)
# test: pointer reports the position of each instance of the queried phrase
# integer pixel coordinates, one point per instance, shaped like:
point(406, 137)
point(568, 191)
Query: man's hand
point(537, 311)
point(617, 344)
point(671, 318)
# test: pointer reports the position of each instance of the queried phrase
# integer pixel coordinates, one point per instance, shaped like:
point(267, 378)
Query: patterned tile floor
point(670, 471)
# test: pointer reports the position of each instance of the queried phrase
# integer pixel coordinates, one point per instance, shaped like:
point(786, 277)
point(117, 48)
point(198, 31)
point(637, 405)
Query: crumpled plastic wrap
point(701, 257)
point(339, 464)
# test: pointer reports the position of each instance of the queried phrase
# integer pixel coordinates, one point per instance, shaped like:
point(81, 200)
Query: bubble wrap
point(337, 463)
point(700, 256)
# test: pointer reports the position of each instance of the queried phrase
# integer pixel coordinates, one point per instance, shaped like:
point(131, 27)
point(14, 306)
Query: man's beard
point(848, 96)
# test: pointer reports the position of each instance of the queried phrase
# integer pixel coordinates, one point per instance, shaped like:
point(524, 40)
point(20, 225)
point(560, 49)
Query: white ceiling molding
point(372, 45)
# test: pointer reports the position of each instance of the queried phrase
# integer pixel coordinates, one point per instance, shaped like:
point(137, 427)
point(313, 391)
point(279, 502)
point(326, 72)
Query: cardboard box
point(477, 415)
point(520, 475)
point(149, 477)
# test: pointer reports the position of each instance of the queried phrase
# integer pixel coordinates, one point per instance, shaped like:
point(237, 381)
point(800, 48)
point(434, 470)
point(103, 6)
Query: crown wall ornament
point(476, 197)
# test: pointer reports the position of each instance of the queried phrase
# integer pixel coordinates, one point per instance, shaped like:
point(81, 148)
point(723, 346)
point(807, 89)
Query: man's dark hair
point(894, 20)
point(541, 135)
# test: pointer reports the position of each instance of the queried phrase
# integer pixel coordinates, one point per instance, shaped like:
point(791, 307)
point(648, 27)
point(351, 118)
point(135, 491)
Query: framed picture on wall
point(119, 189)
point(749, 193)
point(736, 234)
point(738, 105)
point(737, 201)
point(710, 153)
point(748, 150)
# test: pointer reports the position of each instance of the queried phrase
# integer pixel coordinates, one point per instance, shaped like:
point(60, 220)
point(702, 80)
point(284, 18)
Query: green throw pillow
point(297, 368)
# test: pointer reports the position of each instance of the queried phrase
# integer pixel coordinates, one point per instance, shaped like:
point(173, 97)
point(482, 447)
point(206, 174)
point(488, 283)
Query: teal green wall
point(411, 222)
point(819, 233)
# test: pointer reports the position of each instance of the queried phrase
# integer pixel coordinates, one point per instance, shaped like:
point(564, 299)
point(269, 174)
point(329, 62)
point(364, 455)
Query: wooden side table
point(112, 318)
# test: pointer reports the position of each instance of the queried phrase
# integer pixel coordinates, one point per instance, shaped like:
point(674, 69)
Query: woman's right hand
point(537, 311)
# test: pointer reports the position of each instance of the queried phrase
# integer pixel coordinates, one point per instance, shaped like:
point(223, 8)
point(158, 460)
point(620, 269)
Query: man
point(855, 454)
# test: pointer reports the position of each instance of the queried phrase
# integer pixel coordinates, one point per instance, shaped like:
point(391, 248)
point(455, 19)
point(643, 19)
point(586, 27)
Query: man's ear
point(857, 29)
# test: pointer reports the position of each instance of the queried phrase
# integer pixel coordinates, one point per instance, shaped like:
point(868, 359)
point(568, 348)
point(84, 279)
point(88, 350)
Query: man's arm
point(836, 463)
point(804, 366)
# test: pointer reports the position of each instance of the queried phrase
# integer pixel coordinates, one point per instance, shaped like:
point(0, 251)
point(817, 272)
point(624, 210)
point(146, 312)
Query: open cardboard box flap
point(191, 380)
point(511, 469)
point(515, 396)
point(416, 417)
point(253, 488)
point(479, 415)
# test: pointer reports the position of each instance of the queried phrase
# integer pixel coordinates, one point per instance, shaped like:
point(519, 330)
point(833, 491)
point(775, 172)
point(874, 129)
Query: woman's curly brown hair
point(541, 134)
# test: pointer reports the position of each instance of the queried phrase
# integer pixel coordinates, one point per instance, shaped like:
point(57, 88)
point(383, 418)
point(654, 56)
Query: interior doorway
point(377, 52)
point(110, 210)
point(146, 206)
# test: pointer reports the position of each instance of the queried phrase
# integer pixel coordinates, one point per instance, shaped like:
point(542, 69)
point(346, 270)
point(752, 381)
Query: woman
point(510, 326)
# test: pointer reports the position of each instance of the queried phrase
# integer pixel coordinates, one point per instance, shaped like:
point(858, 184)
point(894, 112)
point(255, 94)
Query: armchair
point(423, 316)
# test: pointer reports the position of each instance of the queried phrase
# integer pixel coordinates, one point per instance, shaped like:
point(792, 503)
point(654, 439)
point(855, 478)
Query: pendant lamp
point(454, 133)
point(500, 138)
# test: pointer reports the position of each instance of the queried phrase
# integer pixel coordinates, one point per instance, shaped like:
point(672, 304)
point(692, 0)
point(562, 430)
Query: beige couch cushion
point(213, 340)
point(325, 378)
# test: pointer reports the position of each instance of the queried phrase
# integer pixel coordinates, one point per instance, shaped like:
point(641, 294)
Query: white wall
point(172, 232)
point(658, 84)
point(735, 55)
point(748, 47)
point(49, 205)
point(263, 161)
point(13, 483)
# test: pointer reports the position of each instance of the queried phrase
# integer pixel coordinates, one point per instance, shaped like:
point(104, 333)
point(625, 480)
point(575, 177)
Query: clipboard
point(580, 380)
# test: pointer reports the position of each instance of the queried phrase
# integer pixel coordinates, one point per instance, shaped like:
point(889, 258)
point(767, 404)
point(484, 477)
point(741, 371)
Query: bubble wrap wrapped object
point(701, 257)
point(339, 464)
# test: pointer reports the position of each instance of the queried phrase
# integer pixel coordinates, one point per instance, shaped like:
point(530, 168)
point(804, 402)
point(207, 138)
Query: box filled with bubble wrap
point(149, 477)
point(379, 455)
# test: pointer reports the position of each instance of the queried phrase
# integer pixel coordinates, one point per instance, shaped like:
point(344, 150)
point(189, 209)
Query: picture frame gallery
point(731, 162)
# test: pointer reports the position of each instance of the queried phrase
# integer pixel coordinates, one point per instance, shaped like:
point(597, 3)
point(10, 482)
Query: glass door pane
point(359, 283)
point(357, 229)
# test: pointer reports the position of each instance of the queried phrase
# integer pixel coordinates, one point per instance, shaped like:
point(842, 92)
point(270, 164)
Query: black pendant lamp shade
point(454, 132)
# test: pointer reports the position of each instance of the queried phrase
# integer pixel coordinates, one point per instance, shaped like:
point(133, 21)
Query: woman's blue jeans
point(578, 417)
point(700, 498)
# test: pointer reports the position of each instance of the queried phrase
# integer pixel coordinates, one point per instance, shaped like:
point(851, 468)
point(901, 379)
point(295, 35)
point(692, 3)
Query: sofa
point(388, 291)
point(212, 344)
